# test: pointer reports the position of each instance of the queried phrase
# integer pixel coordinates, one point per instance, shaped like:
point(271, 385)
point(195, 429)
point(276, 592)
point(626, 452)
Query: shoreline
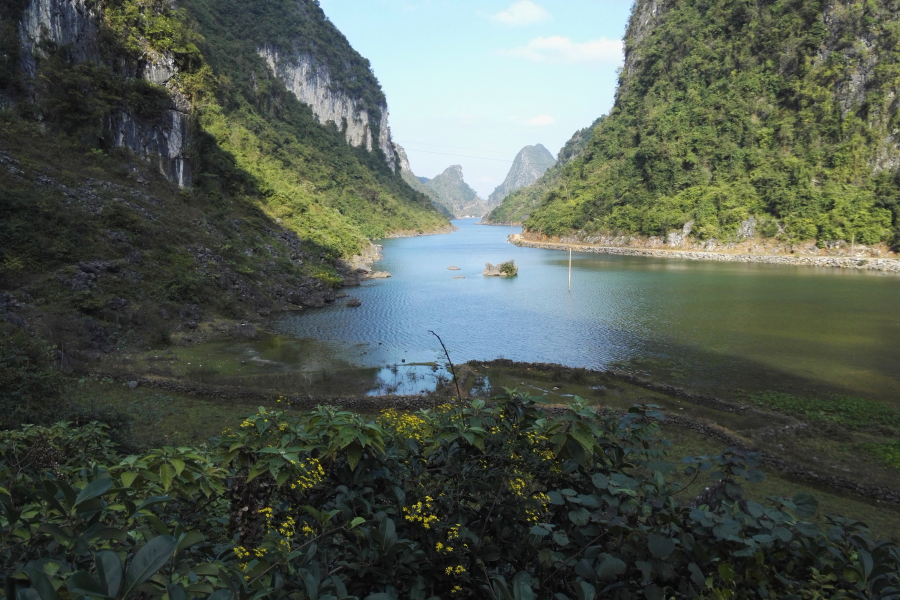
point(368, 404)
point(884, 265)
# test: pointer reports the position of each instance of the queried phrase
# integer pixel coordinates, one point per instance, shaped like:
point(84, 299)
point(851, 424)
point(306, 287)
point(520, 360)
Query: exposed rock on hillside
point(73, 26)
point(530, 163)
point(311, 82)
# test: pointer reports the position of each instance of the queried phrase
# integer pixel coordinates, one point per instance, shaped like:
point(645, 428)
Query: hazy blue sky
point(483, 78)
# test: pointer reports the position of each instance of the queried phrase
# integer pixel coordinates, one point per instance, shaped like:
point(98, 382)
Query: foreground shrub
point(502, 501)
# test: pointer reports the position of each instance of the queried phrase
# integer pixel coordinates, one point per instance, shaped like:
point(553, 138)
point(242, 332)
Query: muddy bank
point(887, 265)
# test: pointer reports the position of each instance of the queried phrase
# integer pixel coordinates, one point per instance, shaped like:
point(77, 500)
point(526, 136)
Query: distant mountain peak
point(530, 163)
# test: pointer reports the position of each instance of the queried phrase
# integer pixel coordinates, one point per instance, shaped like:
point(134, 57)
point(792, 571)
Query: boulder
point(452, 268)
point(354, 302)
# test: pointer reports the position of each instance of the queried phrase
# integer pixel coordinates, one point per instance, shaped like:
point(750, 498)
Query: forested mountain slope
point(530, 163)
point(450, 191)
point(520, 203)
point(219, 156)
point(783, 111)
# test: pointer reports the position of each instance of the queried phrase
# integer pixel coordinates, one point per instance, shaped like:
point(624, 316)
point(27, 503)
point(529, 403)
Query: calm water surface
point(725, 328)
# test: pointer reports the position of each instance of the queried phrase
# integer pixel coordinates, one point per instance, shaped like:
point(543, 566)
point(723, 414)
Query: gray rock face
point(310, 81)
point(76, 25)
point(450, 190)
point(530, 163)
point(406, 171)
point(163, 142)
point(72, 23)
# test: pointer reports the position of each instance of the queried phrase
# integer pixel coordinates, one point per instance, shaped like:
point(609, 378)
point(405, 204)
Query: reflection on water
point(707, 326)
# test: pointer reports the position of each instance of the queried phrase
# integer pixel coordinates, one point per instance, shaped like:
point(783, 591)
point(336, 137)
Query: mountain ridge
point(530, 164)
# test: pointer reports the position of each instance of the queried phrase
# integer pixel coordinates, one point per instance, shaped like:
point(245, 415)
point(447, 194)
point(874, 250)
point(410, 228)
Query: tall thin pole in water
point(570, 269)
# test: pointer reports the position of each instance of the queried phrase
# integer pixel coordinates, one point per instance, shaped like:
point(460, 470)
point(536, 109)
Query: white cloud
point(541, 121)
point(522, 12)
point(562, 50)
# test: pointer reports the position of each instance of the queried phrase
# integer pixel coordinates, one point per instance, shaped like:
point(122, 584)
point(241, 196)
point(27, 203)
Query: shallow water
point(721, 327)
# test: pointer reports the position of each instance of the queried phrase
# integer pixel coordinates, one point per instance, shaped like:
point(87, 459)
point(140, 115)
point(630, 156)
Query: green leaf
point(600, 481)
point(27, 594)
point(150, 502)
point(806, 504)
point(109, 569)
point(178, 464)
point(726, 572)
point(257, 469)
point(697, 576)
point(354, 453)
point(81, 583)
point(189, 539)
point(96, 488)
point(148, 561)
point(110, 533)
point(580, 517)
point(521, 586)
point(490, 553)
point(166, 475)
point(584, 590)
point(221, 595)
point(128, 478)
point(41, 583)
point(610, 567)
point(660, 546)
point(380, 596)
point(57, 532)
point(176, 592)
point(282, 477)
point(206, 569)
point(561, 538)
point(357, 521)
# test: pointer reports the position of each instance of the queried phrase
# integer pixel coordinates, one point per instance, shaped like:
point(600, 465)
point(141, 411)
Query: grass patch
point(888, 453)
point(843, 410)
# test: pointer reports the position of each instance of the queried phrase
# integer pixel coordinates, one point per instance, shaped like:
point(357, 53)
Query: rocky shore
point(887, 265)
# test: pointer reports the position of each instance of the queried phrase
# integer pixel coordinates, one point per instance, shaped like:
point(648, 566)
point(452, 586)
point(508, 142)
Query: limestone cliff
point(73, 27)
point(310, 81)
point(530, 163)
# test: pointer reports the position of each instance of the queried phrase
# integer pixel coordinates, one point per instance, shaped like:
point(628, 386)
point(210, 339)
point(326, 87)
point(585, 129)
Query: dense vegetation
point(466, 500)
point(452, 194)
point(519, 204)
point(784, 110)
point(310, 178)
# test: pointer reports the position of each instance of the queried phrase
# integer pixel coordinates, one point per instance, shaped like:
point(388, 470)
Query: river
point(725, 328)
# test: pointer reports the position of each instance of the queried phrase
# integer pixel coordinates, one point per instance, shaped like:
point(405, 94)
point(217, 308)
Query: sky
point(471, 82)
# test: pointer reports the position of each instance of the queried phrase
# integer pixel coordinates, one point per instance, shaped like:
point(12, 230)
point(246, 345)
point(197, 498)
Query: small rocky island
point(506, 269)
